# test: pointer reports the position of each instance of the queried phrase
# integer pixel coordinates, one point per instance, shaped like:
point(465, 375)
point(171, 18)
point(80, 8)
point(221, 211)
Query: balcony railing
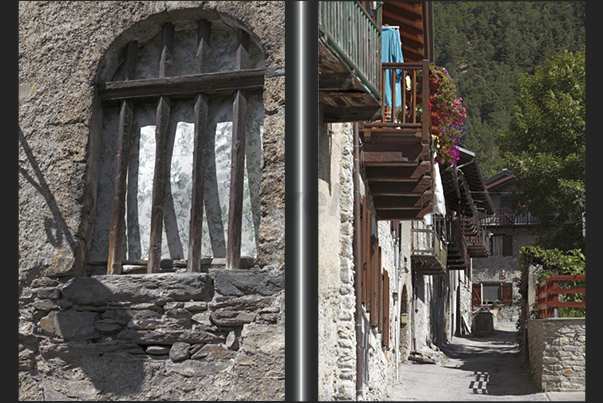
point(411, 118)
point(351, 31)
point(457, 248)
point(509, 217)
point(549, 291)
point(429, 247)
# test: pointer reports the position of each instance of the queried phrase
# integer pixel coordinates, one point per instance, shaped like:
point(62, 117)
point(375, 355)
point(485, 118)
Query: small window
point(501, 245)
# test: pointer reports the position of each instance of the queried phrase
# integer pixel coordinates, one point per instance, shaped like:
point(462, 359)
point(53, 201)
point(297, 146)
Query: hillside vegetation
point(487, 46)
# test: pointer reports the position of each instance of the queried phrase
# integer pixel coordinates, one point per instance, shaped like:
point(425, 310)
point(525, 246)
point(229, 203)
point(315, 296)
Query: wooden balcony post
point(426, 115)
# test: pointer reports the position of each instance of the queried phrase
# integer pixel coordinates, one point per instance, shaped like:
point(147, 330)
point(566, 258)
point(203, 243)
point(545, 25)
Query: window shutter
point(476, 294)
point(507, 293)
point(374, 282)
point(385, 308)
point(507, 245)
point(362, 258)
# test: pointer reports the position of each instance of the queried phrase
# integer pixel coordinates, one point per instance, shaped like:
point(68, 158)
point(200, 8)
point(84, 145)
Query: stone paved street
point(484, 369)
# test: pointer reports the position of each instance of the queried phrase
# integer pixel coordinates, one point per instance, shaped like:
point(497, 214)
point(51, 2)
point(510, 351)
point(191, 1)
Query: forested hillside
point(487, 45)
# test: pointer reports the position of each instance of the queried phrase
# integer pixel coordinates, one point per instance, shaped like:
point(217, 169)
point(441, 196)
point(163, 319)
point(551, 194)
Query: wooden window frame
point(240, 82)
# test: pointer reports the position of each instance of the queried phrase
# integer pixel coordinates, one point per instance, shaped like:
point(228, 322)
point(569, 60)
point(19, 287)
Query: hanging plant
point(447, 116)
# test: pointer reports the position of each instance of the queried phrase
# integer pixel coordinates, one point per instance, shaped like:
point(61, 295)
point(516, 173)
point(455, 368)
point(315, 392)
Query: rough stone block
point(243, 282)
point(232, 318)
point(158, 350)
point(138, 288)
point(179, 351)
point(70, 325)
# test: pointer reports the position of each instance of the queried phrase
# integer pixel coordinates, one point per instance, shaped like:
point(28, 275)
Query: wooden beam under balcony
point(398, 174)
point(410, 213)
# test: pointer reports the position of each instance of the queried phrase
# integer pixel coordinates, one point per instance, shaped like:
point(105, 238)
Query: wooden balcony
point(458, 258)
point(429, 251)
point(349, 61)
point(396, 149)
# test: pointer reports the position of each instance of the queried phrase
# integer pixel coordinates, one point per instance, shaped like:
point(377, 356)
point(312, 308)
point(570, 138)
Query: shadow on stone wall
point(111, 325)
point(164, 336)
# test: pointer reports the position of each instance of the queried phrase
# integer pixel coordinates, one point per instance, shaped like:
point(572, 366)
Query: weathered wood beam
point(237, 167)
point(399, 202)
point(159, 182)
point(200, 153)
point(395, 174)
point(404, 214)
point(167, 46)
point(183, 86)
point(118, 212)
point(118, 209)
point(160, 179)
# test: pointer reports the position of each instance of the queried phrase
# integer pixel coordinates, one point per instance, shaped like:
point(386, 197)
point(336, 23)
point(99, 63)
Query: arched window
point(179, 174)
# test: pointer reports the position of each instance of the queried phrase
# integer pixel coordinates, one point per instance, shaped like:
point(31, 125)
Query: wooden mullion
point(160, 178)
point(167, 46)
point(237, 166)
point(118, 211)
point(199, 153)
point(362, 262)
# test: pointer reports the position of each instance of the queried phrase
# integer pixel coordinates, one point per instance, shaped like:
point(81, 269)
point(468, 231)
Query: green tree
point(487, 45)
point(545, 144)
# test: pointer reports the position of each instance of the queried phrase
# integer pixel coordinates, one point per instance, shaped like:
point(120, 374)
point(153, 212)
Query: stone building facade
point(508, 233)
point(174, 334)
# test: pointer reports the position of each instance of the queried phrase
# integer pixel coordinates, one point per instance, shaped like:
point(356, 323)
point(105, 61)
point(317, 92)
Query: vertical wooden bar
point(118, 211)
point(414, 95)
point(200, 153)
point(393, 84)
point(167, 46)
point(426, 116)
point(159, 183)
point(161, 136)
point(403, 89)
point(237, 166)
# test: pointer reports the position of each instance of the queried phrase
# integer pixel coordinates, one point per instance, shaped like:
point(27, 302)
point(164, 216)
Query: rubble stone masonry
point(558, 353)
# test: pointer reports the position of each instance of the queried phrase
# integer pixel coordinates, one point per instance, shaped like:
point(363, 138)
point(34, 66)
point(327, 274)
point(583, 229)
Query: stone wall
point(557, 353)
point(336, 338)
point(153, 337)
point(169, 336)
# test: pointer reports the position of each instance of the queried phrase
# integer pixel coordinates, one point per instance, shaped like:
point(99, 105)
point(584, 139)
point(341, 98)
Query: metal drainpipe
point(358, 271)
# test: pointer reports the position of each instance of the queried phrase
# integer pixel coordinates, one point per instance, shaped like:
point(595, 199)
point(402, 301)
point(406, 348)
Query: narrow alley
point(484, 369)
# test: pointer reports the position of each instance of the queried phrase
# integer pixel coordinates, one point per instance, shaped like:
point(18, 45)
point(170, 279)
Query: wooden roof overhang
point(415, 19)
point(343, 95)
point(464, 186)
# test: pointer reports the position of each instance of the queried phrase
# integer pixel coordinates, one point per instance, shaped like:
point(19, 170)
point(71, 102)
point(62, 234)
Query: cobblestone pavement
point(484, 369)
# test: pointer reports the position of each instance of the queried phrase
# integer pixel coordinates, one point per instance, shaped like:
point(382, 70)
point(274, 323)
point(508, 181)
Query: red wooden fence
point(548, 295)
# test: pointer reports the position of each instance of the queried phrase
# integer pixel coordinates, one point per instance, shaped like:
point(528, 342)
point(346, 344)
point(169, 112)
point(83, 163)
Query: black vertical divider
point(301, 201)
